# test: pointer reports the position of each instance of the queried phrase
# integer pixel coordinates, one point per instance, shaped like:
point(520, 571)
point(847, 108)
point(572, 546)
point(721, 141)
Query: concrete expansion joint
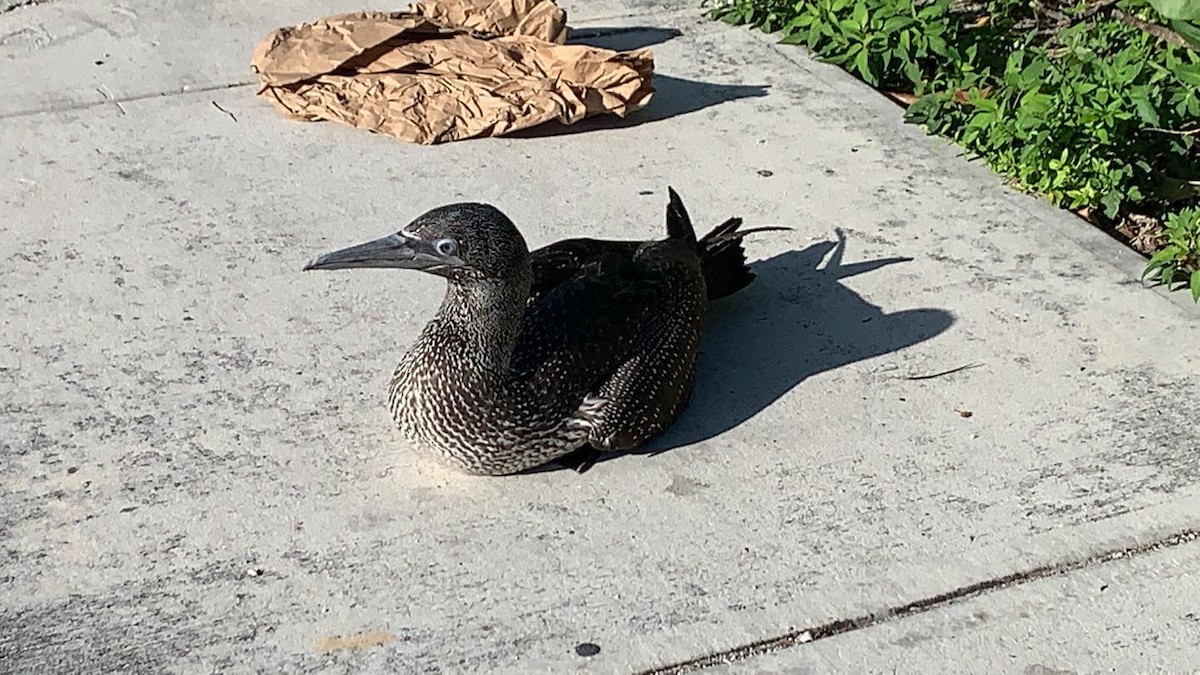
point(840, 626)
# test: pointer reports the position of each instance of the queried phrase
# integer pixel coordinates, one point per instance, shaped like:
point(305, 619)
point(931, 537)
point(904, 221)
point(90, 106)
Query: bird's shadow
point(796, 320)
point(673, 96)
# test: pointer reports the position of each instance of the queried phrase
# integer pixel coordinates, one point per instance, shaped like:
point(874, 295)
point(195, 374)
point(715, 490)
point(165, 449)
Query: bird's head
point(462, 242)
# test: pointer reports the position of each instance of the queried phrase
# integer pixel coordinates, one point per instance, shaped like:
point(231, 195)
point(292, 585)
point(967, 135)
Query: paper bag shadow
point(622, 38)
point(796, 320)
point(673, 96)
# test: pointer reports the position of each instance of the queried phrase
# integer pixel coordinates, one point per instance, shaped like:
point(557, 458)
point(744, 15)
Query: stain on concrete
point(337, 643)
point(1041, 669)
point(685, 487)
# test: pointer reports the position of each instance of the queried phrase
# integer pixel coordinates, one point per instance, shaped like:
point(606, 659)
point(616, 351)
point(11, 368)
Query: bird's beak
point(392, 251)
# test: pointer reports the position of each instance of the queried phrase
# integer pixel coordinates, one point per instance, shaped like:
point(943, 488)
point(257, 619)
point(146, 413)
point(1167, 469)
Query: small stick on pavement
point(103, 89)
point(944, 372)
point(218, 107)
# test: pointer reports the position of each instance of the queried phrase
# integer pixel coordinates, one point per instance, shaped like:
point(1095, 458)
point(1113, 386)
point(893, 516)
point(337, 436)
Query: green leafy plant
point(886, 44)
point(1178, 263)
point(768, 15)
point(1081, 123)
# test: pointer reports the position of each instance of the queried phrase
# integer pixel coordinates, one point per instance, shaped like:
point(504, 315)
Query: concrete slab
point(197, 468)
point(1112, 618)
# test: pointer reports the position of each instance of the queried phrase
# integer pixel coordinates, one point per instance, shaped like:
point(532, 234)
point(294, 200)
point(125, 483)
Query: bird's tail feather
point(722, 258)
point(679, 224)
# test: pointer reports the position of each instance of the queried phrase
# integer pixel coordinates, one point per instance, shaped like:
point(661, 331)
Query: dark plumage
point(579, 347)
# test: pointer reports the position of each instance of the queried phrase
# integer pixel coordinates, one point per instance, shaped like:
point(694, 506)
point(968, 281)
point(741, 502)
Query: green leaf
point(931, 10)
point(896, 23)
point(860, 13)
point(923, 109)
point(983, 103)
point(1159, 259)
point(814, 35)
point(1111, 201)
point(938, 46)
point(912, 71)
point(864, 68)
point(1187, 10)
point(1032, 73)
point(850, 27)
point(1034, 104)
point(1141, 100)
point(1195, 286)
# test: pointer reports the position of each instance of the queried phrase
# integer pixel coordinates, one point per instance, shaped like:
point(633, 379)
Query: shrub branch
point(1160, 32)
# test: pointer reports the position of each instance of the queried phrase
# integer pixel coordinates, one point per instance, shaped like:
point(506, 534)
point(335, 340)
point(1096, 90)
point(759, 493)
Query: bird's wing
point(614, 343)
point(562, 260)
point(578, 330)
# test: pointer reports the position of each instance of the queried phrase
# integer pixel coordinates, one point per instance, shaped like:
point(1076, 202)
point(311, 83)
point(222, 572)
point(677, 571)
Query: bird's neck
point(475, 329)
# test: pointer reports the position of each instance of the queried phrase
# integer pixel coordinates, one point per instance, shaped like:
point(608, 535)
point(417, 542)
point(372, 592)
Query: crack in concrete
point(85, 105)
point(840, 626)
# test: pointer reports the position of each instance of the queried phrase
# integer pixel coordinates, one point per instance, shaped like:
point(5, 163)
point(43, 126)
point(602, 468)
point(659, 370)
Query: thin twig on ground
point(218, 107)
point(930, 376)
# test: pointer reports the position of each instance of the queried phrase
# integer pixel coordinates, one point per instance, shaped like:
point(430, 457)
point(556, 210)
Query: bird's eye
point(446, 247)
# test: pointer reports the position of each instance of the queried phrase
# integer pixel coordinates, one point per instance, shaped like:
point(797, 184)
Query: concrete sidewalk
point(197, 471)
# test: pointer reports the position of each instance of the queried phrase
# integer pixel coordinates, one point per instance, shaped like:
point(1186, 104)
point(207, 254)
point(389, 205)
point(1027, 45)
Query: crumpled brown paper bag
point(447, 70)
